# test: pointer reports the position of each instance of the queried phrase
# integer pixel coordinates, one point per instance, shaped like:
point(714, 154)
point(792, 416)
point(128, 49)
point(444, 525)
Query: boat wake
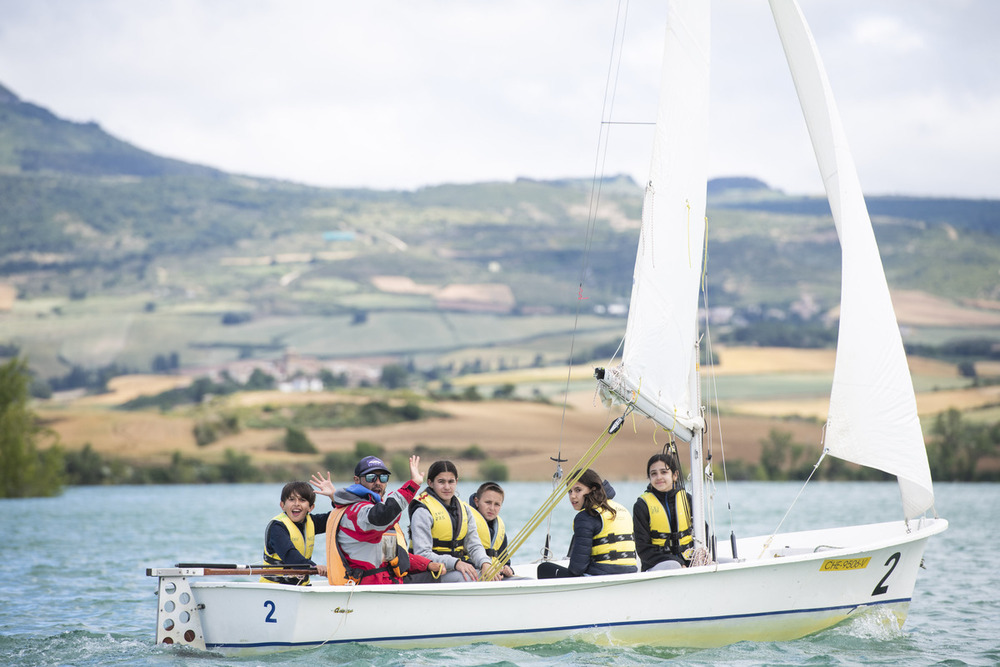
point(876, 623)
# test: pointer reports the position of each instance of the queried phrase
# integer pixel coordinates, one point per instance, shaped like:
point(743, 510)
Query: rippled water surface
point(74, 591)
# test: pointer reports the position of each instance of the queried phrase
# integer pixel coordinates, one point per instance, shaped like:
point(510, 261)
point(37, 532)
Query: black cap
point(369, 464)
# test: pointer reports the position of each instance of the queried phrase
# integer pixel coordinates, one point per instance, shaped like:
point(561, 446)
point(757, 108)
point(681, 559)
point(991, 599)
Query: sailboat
point(766, 588)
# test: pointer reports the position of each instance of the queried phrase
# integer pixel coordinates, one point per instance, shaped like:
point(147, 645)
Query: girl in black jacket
point(661, 517)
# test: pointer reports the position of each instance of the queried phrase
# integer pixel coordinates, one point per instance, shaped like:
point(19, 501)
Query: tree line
point(32, 462)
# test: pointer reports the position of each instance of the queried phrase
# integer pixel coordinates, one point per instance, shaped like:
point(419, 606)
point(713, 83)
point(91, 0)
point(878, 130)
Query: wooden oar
point(267, 571)
point(215, 569)
point(288, 566)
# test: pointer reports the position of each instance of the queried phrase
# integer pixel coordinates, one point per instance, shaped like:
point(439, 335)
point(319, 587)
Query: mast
point(655, 374)
point(697, 461)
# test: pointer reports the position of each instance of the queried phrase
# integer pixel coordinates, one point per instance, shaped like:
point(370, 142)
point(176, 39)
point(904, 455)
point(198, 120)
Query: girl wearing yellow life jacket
point(662, 518)
point(443, 528)
point(602, 533)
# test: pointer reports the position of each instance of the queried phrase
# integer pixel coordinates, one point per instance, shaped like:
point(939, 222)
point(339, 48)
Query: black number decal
point(882, 588)
point(270, 615)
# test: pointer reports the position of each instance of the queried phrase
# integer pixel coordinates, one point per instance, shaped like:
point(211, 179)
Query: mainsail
point(873, 410)
point(661, 333)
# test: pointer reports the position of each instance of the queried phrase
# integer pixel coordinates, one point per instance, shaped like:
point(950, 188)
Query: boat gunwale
point(928, 529)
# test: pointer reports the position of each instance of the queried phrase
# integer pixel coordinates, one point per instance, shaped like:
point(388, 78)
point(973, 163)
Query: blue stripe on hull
point(555, 628)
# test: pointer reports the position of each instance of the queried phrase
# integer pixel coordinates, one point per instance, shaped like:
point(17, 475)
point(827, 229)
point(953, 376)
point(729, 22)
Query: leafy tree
point(773, 450)
point(86, 467)
point(163, 363)
point(394, 376)
point(24, 470)
point(331, 381)
point(363, 448)
point(237, 468)
point(967, 369)
point(505, 391)
point(957, 447)
point(780, 457)
point(260, 381)
point(340, 463)
point(297, 442)
point(473, 452)
point(493, 470)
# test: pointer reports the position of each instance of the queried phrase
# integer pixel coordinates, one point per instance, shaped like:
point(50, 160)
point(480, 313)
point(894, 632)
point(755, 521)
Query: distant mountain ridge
point(73, 196)
point(33, 139)
point(102, 242)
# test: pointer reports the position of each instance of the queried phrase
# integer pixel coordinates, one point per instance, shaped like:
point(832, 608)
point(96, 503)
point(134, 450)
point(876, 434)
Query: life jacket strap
point(450, 548)
point(611, 539)
point(614, 555)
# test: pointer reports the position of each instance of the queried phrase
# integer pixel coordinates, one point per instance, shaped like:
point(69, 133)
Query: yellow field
point(922, 309)
point(732, 361)
point(521, 434)
point(8, 295)
point(988, 368)
point(127, 387)
point(928, 403)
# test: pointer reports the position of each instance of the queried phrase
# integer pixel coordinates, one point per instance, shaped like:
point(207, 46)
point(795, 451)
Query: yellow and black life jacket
point(615, 544)
point(679, 542)
point(492, 546)
point(304, 545)
point(445, 538)
point(339, 573)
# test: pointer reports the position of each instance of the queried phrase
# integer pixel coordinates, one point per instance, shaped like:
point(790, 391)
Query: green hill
point(33, 140)
point(118, 256)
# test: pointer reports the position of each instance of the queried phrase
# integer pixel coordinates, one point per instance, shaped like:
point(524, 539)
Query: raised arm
point(324, 487)
point(415, 473)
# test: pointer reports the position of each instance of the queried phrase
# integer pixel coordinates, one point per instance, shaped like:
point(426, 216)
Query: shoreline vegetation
point(198, 430)
point(427, 320)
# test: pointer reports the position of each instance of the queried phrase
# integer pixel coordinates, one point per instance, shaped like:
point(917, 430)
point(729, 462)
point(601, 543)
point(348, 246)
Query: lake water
point(74, 592)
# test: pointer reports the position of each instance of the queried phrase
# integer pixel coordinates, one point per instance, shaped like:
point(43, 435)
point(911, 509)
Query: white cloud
point(395, 94)
point(888, 32)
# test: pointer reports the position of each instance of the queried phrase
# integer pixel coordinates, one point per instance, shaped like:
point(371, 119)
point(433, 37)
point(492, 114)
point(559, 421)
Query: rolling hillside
point(112, 255)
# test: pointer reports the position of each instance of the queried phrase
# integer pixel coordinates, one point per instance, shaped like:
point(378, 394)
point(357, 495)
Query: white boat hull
point(789, 591)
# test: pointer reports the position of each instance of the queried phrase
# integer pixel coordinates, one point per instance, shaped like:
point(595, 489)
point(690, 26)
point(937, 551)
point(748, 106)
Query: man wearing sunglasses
point(354, 546)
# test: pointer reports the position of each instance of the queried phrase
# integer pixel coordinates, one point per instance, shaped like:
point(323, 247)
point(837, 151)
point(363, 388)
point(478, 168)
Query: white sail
point(662, 322)
point(873, 411)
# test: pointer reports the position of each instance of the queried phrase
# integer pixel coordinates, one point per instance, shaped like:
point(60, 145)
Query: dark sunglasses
point(382, 477)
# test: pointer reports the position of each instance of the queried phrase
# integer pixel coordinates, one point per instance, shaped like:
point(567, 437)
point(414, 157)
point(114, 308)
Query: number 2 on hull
point(881, 588)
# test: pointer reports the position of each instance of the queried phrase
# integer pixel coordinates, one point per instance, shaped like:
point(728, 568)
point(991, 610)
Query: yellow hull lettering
point(838, 564)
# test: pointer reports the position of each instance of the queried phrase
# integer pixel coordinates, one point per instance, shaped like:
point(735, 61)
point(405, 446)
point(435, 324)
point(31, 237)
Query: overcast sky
point(405, 94)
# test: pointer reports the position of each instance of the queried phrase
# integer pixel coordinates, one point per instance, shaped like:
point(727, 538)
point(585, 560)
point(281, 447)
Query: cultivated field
point(522, 434)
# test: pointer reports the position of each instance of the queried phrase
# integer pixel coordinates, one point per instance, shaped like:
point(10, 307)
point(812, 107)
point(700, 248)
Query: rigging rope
point(713, 399)
point(600, 160)
point(559, 489)
point(767, 542)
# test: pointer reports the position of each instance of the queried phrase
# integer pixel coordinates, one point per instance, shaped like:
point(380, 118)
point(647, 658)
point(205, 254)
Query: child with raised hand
point(290, 536)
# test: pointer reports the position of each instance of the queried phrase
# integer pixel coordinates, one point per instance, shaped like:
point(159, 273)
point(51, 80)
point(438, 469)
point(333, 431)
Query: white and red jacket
point(366, 518)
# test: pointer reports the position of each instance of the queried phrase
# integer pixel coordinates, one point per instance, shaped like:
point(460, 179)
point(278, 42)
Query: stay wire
point(713, 389)
point(607, 108)
point(545, 510)
point(767, 542)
